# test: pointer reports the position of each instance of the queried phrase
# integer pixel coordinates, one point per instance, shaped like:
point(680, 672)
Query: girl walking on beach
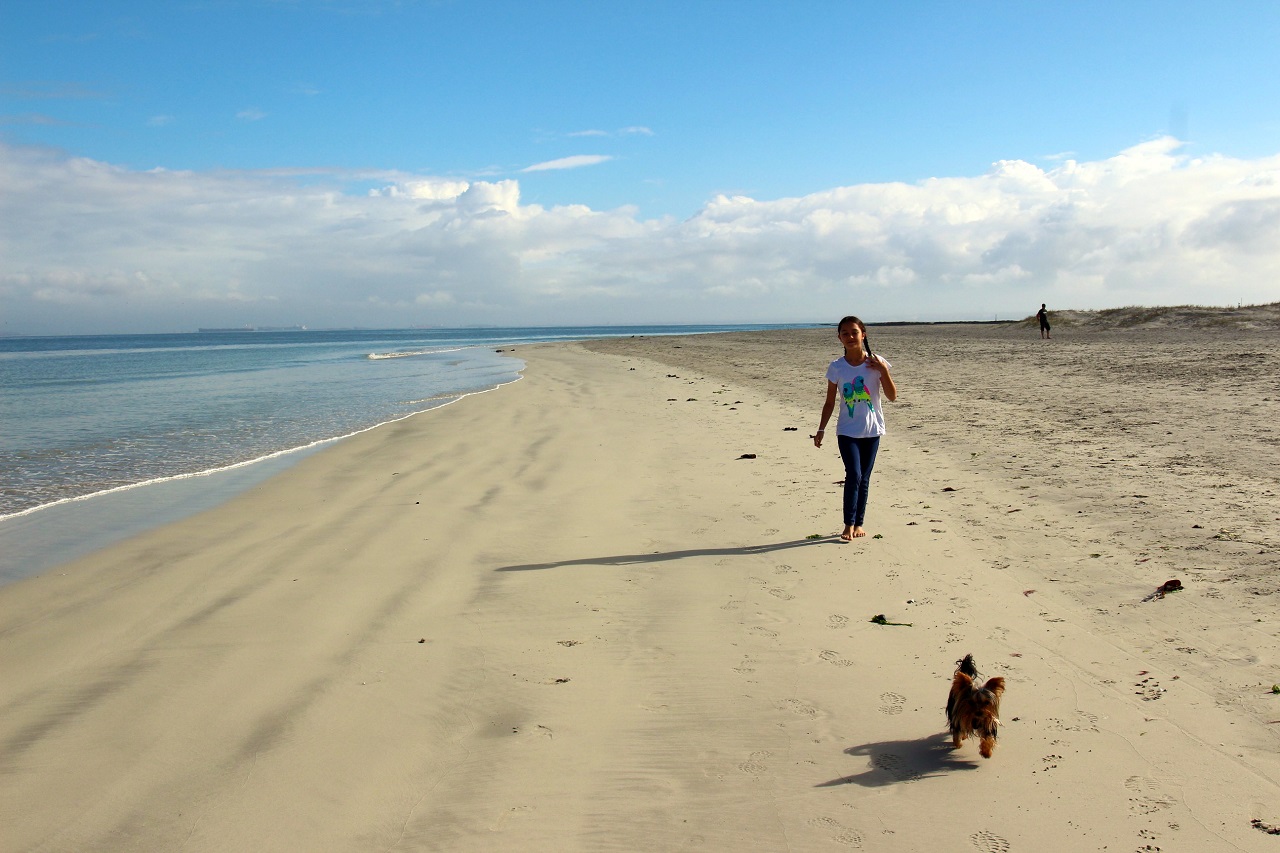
point(862, 382)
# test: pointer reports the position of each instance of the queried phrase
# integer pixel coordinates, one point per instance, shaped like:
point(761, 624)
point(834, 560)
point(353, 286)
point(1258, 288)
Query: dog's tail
point(960, 684)
point(966, 672)
point(988, 726)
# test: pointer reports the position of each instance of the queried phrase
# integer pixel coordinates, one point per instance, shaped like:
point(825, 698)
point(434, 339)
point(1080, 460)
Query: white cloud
point(577, 161)
point(87, 246)
point(251, 114)
point(430, 189)
point(634, 130)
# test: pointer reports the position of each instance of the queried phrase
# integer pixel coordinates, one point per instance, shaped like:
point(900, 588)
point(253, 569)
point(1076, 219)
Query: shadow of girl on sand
point(667, 556)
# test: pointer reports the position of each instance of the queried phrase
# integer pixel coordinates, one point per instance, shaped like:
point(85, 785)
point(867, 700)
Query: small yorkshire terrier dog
point(974, 710)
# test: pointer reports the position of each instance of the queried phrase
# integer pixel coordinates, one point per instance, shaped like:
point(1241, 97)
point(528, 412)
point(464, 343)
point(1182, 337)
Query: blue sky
point(330, 163)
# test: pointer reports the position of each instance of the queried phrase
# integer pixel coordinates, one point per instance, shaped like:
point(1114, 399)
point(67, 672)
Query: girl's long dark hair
point(866, 342)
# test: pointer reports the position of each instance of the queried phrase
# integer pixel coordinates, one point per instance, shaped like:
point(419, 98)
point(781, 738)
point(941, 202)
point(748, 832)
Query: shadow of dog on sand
point(896, 761)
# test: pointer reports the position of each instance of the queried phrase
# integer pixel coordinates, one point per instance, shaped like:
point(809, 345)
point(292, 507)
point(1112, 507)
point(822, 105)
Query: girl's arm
point(827, 408)
point(887, 387)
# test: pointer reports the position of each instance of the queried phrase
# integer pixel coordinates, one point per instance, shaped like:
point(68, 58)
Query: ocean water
point(103, 436)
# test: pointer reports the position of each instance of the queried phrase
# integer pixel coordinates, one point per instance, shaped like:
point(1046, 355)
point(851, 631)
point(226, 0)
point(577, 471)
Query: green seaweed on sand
point(880, 620)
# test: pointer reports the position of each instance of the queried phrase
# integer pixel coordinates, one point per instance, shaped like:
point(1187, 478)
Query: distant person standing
point(1043, 316)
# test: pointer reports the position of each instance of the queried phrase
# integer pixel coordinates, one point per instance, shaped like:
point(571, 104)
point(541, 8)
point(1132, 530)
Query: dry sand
point(565, 615)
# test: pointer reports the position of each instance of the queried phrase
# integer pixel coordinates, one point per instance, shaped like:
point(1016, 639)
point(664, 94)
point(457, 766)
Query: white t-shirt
point(858, 398)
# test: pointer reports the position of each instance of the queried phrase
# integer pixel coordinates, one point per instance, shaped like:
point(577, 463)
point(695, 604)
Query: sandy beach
point(568, 614)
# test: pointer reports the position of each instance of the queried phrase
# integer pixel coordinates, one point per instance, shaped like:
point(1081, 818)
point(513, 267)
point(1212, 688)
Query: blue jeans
point(859, 455)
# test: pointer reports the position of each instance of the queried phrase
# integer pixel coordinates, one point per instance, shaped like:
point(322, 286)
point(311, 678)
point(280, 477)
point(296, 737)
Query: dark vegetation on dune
point(1161, 317)
point(1244, 317)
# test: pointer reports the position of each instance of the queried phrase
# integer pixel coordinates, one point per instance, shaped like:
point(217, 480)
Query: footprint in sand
point(840, 833)
point(835, 620)
point(892, 703)
point(989, 842)
point(746, 667)
point(834, 658)
point(781, 593)
point(731, 604)
point(1148, 805)
point(800, 707)
point(764, 632)
point(894, 766)
point(754, 765)
point(1149, 795)
point(1142, 784)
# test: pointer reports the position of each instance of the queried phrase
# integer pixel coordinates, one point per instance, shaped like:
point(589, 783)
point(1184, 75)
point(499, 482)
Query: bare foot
point(857, 531)
point(848, 534)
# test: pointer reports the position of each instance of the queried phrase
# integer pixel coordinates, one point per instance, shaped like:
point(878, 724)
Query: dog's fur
point(974, 710)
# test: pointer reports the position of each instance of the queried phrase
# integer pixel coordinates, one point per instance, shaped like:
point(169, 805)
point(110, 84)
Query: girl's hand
point(817, 439)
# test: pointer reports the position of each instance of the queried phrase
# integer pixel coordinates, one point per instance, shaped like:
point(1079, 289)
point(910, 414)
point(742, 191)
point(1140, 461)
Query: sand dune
point(1245, 318)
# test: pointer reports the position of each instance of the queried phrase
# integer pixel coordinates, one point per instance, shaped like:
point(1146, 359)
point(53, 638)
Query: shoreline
point(39, 538)
point(568, 616)
point(43, 538)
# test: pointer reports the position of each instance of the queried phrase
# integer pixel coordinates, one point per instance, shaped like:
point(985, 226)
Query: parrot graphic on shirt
point(855, 392)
